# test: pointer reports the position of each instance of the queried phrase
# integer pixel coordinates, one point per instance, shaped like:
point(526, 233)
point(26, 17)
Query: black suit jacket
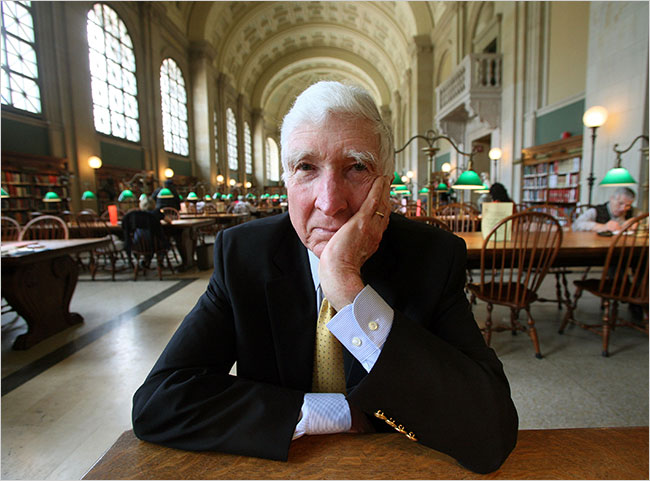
point(435, 375)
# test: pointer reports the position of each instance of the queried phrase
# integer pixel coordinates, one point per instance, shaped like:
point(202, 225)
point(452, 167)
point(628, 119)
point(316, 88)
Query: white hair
point(322, 100)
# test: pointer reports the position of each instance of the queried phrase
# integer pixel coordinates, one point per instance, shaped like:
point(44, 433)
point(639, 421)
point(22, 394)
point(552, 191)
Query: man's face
point(619, 205)
point(330, 173)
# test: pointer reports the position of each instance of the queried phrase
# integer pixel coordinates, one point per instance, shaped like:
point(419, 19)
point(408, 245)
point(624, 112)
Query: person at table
point(609, 216)
point(498, 193)
point(403, 344)
point(174, 201)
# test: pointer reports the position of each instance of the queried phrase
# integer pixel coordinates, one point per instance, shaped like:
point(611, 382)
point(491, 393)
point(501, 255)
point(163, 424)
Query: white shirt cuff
point(324, 413)
point(363, 326)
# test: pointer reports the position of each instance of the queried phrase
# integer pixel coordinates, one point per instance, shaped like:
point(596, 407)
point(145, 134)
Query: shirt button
point(356, 341)
point(373, 326)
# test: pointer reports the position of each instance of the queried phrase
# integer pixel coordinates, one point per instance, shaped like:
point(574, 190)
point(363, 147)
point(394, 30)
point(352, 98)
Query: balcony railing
point(475, 80)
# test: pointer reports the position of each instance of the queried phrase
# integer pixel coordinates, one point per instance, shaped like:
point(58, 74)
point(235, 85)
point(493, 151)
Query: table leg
point(40, 292)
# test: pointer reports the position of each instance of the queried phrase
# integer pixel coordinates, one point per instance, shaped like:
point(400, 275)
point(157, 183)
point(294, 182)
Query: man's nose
point(331, 197)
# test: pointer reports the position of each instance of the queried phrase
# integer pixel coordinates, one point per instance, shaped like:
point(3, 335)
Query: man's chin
point(318, 247)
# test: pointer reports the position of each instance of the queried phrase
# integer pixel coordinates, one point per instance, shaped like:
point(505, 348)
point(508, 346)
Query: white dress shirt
point(362, 328)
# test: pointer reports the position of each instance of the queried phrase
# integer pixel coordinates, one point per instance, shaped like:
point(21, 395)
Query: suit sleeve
point(441, 382)
point(189, 400)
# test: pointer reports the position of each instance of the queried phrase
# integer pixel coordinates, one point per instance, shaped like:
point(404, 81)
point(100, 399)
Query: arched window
point(20, 87)
point(248, 149)
point(173, 97)
point(231, 139)
point(112, 74)
point(272, 160)
point(216, 140)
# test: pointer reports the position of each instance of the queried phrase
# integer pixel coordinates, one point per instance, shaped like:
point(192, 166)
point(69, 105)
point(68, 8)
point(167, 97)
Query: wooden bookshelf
point(27, 178)
point(551, 175)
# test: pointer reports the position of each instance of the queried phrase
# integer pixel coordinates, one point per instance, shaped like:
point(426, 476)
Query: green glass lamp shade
point(192, 196)
point(442, 186)
point(180, 196)
point(483, 190)
point(142, 197)
point(207, 197)
point(275, 196)
point(616, 177)
point(230, 196)
point(283, 197)
point(4, 194)
point(468, 180)
point(423, 191)
point(165, 193)
point(402, 190)
point(216, 195)
point(397, 180)
point(88, 195)
point(51, 197)
point(250, 196)
point(393, 193)
point(126, 196)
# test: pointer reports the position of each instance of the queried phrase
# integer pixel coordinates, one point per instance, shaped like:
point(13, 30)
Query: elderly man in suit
point(341, 317)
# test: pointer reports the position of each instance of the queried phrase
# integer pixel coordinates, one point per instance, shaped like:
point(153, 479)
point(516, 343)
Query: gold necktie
point(328, 373)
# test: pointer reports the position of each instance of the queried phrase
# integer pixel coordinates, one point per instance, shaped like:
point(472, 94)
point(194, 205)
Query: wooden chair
point(459, 217)
point(432, 221)
point(45, 227)
point(560, 273)
point(10, 229)
point(512, 270)
point(90, 225)
point(171, 213)
point(145, 239)
point(624, 279)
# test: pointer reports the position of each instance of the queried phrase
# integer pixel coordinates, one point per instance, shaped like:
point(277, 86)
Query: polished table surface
point(595, 453)
point(577, 248)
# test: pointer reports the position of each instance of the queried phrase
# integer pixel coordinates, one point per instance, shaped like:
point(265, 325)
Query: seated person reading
point(314, 308)
point(609, 216)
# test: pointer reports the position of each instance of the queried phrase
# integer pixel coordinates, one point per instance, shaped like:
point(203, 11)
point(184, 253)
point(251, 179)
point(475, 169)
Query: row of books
point(563, 180)
point(534, 195)
point(9, 177)
point(563, 195)
point(565, 166)
point(535, 182)
point(18, 191)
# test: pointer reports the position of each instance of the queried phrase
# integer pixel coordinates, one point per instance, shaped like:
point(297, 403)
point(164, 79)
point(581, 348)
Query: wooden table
point(578, 249)
point(185, 231)
point(39, 284)
point(219, 217)
point(597, 453)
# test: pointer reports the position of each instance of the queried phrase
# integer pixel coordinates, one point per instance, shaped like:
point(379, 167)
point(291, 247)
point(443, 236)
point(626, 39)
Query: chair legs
point(532, 332)
point(487, 332)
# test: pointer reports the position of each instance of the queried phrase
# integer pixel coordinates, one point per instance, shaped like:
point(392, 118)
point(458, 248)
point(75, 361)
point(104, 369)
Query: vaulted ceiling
point(272, 50)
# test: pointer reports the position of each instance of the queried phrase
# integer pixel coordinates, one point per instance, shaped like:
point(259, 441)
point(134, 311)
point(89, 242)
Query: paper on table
point(493, 213)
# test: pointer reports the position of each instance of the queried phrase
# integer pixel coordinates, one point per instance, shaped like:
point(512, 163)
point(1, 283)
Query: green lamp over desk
point(620, 176)
point(192, 196)
point(4, 195)
point(165, 193)
point(126, 196)
point(51, 196)
point(88, 195)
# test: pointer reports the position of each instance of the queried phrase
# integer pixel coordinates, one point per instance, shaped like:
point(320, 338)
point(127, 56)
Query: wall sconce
point(248, 185)
point(620, 176)
point(593, 118)
point(94, 162)
point(232, 182)
point(446, 167)
point(495, 154)
point(169, 173)
point(220, 178)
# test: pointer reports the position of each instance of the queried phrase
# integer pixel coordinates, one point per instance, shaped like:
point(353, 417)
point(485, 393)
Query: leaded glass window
point(248, 149)
point(20, 87)
point(272, 160)
point(112, 74)
point(231, 139)
point(216, 139)
point(174, 108)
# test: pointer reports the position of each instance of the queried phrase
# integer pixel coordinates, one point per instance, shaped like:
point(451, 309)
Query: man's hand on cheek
point(352, 245)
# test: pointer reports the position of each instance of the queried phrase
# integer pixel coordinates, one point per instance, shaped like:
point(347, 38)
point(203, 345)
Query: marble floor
point(67, 399)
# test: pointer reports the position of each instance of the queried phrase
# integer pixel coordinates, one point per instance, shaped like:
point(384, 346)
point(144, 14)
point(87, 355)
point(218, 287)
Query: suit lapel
point(292, 312)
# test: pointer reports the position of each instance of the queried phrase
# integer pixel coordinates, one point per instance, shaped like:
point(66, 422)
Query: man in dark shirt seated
point(393, 345)
point(609, 216)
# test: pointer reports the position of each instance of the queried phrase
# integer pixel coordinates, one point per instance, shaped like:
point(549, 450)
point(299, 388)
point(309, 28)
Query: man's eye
point(303, 166)
point(360, 167)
